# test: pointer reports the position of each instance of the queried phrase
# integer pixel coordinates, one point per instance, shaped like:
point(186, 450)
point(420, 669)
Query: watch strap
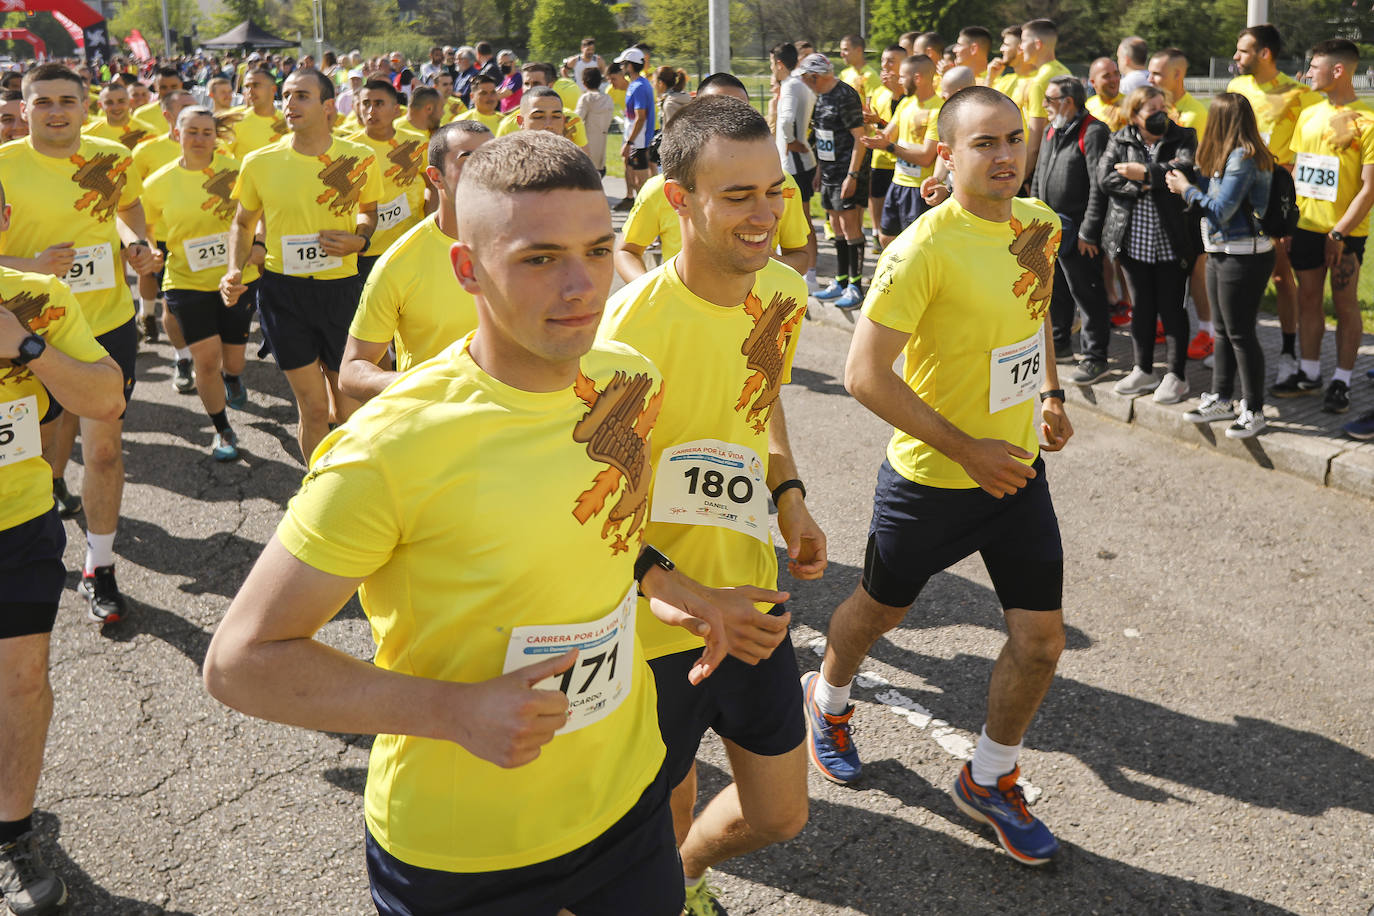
point(650, 557)
point(793, 484)
point(1052, 393)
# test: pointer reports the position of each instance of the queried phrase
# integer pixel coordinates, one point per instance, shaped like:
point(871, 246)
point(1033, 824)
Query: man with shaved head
point(1105, 103)
point(962, 295)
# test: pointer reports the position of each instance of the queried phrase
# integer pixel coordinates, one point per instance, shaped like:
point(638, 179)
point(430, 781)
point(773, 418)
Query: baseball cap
point(816, 63)
point(633, 55)
point(356, 74)
point(255, 56)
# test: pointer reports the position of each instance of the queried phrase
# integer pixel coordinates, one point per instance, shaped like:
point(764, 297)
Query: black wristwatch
point(853, 174)
point(1052, 393)
point(30, 348)
point(793, 484)
point(1336, 236)
point(648, 559)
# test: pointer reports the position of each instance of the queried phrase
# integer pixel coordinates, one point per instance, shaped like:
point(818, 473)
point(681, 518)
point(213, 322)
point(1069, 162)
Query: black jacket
point(1066, 177)
point(1175, 150)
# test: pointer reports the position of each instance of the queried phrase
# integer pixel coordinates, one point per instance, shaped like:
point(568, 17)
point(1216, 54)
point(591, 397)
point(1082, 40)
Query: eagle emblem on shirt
point(764, 351)
point(343, 179)
point(133, 137)
point(219, 186)
point(29, 309)
point(616, 430)
point(102, 178)
point(1034, 246)
point(405, 163)
point(1346, 127)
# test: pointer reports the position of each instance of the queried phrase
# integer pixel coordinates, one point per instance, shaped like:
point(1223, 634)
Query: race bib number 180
point(19, 438)
point(303, 254)
point(1317, 177)
point(604, 673)
point(710, 482)
point(1014, 372)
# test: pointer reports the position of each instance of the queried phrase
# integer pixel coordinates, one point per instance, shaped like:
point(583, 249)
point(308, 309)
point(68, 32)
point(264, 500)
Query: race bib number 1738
point(1317, 177)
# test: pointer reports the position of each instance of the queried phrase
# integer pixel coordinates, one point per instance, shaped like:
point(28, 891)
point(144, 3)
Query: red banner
point(72, 28)
point(137, 46)
point(40, 49)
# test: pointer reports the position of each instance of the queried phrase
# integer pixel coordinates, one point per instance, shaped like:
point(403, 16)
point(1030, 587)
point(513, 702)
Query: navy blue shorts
point(901, 207)
point(1307, 249)
point(631, 868)
point(879, 180)
point(31, 575)
point(365, 265)
point(305, 320)
point(203, 314)
point(759, 707)
point(122, 345)
point(918, 531)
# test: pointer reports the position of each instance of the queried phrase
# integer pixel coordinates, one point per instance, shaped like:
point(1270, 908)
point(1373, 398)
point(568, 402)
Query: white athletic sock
point(831, 699)
point(992, 761)
point(692, 883)
point(1341, 375)
point(148, 306)
point(184, 353)
point(811, 276)
point(1312, 368)
point(99, 551)
point(1208, 327)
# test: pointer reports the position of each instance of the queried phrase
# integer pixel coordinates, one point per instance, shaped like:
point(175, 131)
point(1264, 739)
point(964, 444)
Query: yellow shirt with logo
point(573, 128)
point(962, 286)
point(402, 161)
point(74, 200)
point(865, 82)
point(652, 217)
point(1032, 89)
point(1007, 83)
point(253, 131)
point(194, 207)
point(47, 308)
point(130, 134)
point(723, 371)
point(1277, 105)
point(472, 509)
point(916, 119)
point(453, 107)
point(302, 195)
point(795, 225)
point(1189, 112)
point(881, 103)
point(153, 155)
point(492, 120)
point(1331, 142)
point(413, 297)
point(1108, 111)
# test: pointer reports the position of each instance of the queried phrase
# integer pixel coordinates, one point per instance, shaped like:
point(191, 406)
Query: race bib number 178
point(1014, 372)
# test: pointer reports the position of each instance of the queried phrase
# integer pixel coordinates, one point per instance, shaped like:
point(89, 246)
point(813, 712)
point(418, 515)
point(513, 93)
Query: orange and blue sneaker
point(831, 748)
point(1021, 833)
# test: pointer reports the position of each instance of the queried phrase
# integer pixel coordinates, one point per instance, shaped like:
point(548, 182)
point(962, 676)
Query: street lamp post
point(718, 12)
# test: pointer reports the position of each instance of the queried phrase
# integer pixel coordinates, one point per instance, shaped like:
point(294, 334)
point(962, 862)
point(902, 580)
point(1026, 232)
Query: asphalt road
point(1207, 746)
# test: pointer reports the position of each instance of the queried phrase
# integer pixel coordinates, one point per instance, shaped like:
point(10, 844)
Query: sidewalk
point(1301, 439)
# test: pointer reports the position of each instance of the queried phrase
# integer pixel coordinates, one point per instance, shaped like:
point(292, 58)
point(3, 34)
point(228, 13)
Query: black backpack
point(1280, 216)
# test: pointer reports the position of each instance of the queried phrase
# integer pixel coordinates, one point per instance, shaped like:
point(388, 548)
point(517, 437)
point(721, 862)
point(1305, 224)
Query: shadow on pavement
point(213, 565)
point(83, 894)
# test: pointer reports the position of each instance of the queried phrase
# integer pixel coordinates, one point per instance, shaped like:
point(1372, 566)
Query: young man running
point(257, 122)
point(76, 203)
point(317, 196)
point(117, 123)
point(639, 124)
point(879, 114)
point(406, 300)
point(47, 351)
point(484, 102)
point(400, 153)
point(904, 139)
point(189, 205)
point(963, 297)
point(721, 320)
point(518, 766)
point(1039, 40)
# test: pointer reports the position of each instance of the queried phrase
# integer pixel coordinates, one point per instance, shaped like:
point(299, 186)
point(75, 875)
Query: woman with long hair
point(1240, 256)
point(1147, 234)
point(671, 83)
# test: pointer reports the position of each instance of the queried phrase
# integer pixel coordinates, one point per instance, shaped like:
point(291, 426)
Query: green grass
point(1364, 293)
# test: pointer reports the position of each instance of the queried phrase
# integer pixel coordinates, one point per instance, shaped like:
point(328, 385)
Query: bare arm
point(360, 376)
point(805, 540)
point(1035, 132)
point(1360, 204)
point(132, 227)
point(231, 285)
point(795, 258)
point(629, 261)
point(92, 390)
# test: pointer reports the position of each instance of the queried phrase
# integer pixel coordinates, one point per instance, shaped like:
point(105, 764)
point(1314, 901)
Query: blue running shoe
point(235, 394)
point(831, 749)
point(1020, 832)
point(851, 299)
point(1363, 428)
point(225, 447)
point(833, 291)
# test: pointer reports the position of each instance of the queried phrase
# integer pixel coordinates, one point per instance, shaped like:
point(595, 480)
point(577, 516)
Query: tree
point(559, 24)
point(146, 16)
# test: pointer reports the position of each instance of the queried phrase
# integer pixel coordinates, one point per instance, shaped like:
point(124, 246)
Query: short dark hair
point(170, 98)
point(1071, 87)
point(481, 78)
point(382, 86)
point(1343, 49)
point(977, 35)
point(1137, 49)
point(855, 39)
point(128, 79)
point(1266, 37)
point(484, 48)
point(591, 77)
point(965, 98)
point(541, 92)
point(529, 161)
point(696, 124)
point(11, 95)
point(424, 95)
point(723, 79)
point(446, 136)
point(1172, 56)
point(325, 84)
point(786, 53)
point(1042, 29)
point(44, 72)
point(543, 67)
point(931, 40)
point(169, 71)
point(895, 49)
point(588, 41)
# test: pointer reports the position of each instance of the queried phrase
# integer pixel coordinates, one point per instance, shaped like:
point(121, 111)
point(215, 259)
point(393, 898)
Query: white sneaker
point(1210, 409)
point(1171, 390)
point(1285, 368)
point(1247, 425)
point(1138, 382)
point(1209, 360)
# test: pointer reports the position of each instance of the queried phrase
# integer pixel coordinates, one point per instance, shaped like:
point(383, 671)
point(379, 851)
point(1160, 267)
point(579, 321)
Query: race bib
point(1015, 372)
point(604, 673)
point(710, 482)
point(1317, 177)
point(825, 145)
point(93, 269)
point(207, 251)
point(392, 212)
point(19, 438)
point(303, 254)
point(908, 169)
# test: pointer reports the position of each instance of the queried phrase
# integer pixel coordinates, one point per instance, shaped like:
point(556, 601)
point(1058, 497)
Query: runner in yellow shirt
point(453, 106)
point(879, 113)
point(858, 73)
point(1276, 99)
point(189, 204)
point(260, 123)
point(721, 320)
point(542, 74)
point(1039, 38)
point(905, 137)
point(1009, 68)
point(971, 49)
point(484, 103)
point(1105, 103)
point(220, 94)
point(400, 155)
point(1333, 173)
point(963, 296)
point(424, 112)
point(408, 299)
point(544, 112)
point(45, 346)
point(518, 764)
point(117, 123)
point(76, 204)
point(318, 197)
point(167, 81)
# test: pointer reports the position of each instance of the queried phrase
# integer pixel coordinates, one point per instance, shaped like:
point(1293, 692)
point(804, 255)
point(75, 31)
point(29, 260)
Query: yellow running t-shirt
point(130, 134)
point(1032, 89)
point(915, 120)
point(1108, 111)
point(881, 103)
point(1189, 112)
point(1007, 83)
point(1277, 105)
point(1331, 146)
point(492, 120)
point(402, 162)
point(252, 131)
point(723, 371)
point(194, 212)
point(301, 195)
point(413, 297)
point(652, 217)
point(74, 200)
point(474, 511)
point(973, 295)
point(864, 81)
point(47, 308)
point(573, 128)
point(794, 226)
point(153, 155)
